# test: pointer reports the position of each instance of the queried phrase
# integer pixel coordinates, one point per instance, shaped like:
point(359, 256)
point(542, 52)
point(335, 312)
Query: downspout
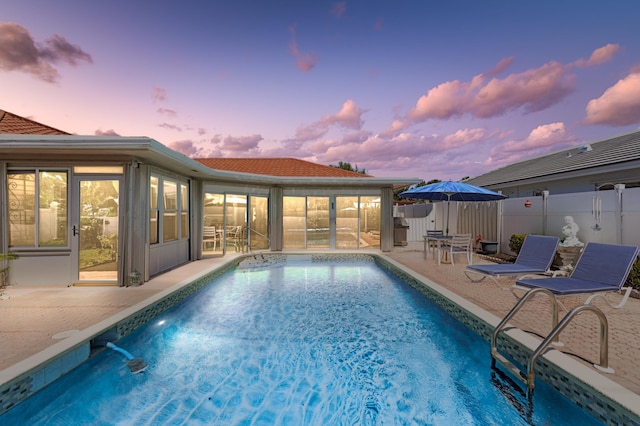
point(619, 187)
point(545, 210)
point(386, 219)
point(499, 224)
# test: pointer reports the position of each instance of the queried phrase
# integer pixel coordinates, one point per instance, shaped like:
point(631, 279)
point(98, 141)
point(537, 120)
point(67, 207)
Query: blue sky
point(433, 90)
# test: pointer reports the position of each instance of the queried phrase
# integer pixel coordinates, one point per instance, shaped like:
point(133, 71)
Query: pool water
point(303, 343)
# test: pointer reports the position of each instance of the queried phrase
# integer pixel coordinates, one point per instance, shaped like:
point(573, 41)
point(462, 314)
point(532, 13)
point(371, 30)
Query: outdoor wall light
point(527, 203)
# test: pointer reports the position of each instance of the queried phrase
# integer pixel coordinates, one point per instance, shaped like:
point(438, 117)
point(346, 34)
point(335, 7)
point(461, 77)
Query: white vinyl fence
point(611, 216)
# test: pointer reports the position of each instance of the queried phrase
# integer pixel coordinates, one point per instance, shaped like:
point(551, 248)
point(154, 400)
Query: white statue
point(570, 232)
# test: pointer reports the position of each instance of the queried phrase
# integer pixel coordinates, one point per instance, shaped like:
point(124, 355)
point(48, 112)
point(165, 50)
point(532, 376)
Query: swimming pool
point(297, 343)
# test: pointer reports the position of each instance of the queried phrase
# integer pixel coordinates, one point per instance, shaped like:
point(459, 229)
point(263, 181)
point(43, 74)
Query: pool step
point(510, 366)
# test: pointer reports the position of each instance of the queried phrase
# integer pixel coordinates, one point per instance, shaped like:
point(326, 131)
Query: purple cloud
point(20, 52)
point(304, 61)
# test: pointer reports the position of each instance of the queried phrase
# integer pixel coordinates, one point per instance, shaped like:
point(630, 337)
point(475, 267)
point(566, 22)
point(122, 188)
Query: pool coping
point(604, 399)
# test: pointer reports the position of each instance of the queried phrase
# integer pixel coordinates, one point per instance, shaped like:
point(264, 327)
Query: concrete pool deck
point(34, 319)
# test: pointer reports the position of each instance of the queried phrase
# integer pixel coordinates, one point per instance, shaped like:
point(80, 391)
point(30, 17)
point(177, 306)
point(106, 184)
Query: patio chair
point(209, 237)
point(535, 257)
point(602, 268)
point(234, 236)
point(430, 243)
point(458, 244)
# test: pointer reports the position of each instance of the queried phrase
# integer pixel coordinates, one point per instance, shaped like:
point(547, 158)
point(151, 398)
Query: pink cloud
point(543, 136)
point(483, 97)
point(234, 146)
point(500, 66)
point(166, 111)
point(338, 9)
point(186, 147)
point(463, 137)
point(20, 52)
point(599, 56)
point(304, 61)
point(109, 132)
point(158, 94)
point(349, 116)
point(170, 126)
point(542, 140)
point(311, 132)
point(619, 105)
point(378, 25)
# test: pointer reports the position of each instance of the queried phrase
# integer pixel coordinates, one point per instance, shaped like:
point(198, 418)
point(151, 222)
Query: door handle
point(76, 230)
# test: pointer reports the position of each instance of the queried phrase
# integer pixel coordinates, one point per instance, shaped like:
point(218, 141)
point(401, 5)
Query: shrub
point(633, 280)
point(515, 242)
point(4, 272)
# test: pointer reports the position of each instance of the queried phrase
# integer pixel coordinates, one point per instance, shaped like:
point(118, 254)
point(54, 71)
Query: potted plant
point(135, 278)
point(4, 272)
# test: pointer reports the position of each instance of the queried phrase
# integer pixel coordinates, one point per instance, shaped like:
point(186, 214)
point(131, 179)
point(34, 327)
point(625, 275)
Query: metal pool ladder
point(528, 377)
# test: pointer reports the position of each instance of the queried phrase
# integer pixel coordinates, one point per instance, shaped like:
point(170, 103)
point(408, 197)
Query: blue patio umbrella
point(451, 191)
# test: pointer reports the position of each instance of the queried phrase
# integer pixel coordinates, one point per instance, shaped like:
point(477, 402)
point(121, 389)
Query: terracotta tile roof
point(277, 167)
point(16, 125)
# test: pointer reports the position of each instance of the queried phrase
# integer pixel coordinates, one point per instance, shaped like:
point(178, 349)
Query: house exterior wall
point(567, 185)
point(140, 159)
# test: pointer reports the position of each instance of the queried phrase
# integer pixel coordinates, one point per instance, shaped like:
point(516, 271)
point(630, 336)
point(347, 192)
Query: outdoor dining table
point(438, 239)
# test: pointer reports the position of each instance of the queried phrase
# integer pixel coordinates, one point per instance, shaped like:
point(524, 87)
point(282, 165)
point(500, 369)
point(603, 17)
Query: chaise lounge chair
point(601, 268)
point(535, 257)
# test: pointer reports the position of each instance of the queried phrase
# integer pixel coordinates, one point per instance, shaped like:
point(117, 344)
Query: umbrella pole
point(448, 207)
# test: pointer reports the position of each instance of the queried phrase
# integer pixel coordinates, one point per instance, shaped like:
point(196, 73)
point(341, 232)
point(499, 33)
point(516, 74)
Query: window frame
point(38, 221)
point(161, 207)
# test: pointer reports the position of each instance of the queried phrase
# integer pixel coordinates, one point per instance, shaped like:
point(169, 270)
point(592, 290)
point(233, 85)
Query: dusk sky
point(424, 89)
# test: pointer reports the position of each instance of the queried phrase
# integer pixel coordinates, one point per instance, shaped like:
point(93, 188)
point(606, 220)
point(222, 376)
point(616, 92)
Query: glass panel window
point(169, 226)
point(236, 224)
point(168, 210)
point(170, 195)
point(370, 221)
point(213, 223)
point(184, 212)
point(52, 209)
point(169, 216)
point(294, 222)
point(259, 237)
point(22, 208)
point(37, 208)
point(318, 222)
point(347, 222)
point(154, 212)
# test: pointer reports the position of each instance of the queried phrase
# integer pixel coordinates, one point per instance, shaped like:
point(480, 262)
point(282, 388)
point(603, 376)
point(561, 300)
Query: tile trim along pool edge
point(595, 393)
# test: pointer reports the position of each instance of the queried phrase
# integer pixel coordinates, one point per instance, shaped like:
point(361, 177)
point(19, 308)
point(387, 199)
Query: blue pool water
point(300, 344)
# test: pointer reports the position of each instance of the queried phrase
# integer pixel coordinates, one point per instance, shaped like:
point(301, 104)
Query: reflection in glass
point(259, 237)
point(37, 208)
point(370, 222)
point(294, 222)
point(153, 211)
point(235, 235)
point(317, 222)
point(169, 216)
point(98, 252)
point(347, 223)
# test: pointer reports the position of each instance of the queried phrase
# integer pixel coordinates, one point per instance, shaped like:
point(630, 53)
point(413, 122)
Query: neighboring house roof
point(277, 167)
point(14, 124)
point(616, 150)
